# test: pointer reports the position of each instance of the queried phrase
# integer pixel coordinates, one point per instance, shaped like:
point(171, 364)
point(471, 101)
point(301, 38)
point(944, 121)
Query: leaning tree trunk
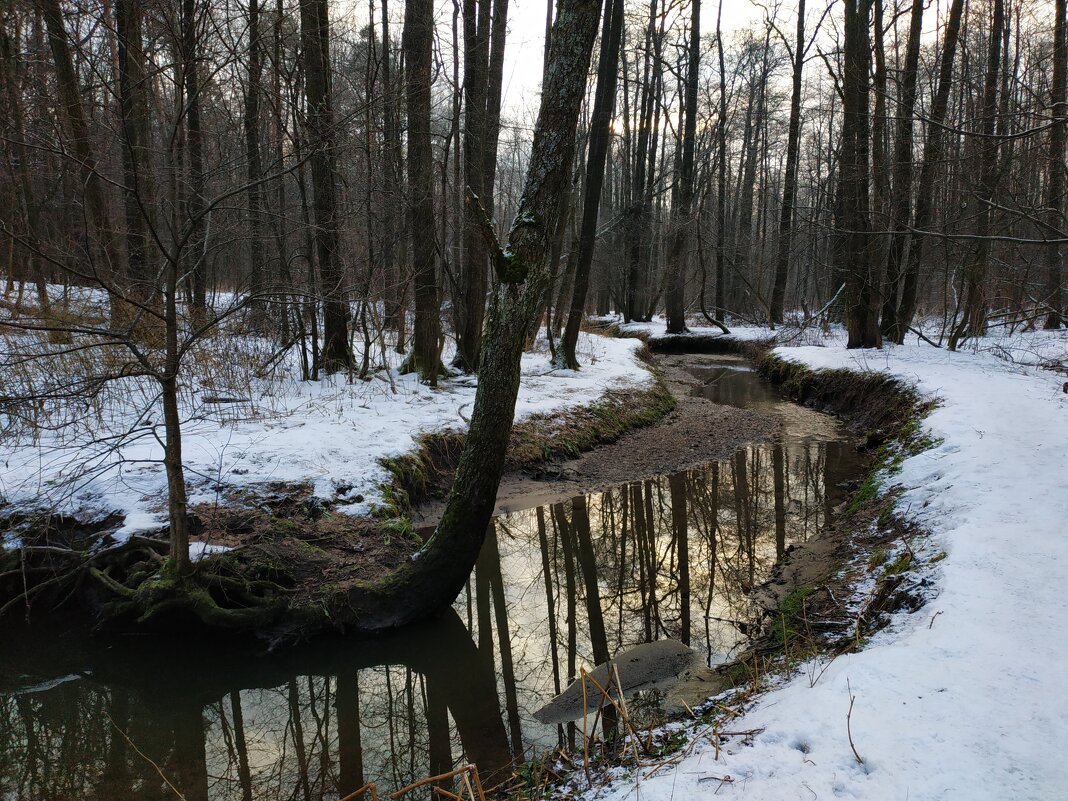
point(433, 578)
point(73, 114)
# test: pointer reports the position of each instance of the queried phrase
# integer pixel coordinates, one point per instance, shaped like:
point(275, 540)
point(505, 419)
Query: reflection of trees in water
point(555, 587)
point(644, 561)
point(304, 737)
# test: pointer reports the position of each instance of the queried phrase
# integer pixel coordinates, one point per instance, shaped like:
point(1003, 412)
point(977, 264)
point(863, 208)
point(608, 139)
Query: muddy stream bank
point(665, 533)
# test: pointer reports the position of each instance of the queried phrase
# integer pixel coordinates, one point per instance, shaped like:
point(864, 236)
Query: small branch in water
point(466, 773)
point(369, 787)
point(144, 756)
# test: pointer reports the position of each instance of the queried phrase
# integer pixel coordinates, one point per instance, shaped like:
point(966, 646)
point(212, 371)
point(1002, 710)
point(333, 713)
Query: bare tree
point(1055, 183)
point(315, 37)
point(418, 41)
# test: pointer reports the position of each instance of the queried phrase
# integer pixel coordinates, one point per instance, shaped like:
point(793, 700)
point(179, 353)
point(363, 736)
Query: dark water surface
point(556, 587)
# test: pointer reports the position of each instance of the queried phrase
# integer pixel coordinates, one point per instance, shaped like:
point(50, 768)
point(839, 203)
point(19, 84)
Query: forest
point(345, 318)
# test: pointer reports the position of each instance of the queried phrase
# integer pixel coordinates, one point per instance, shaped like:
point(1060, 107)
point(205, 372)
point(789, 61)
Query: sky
point(526, 33)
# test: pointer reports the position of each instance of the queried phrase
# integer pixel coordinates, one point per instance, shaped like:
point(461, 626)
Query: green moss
point(400, 527)
point(902, 563)
point(877, 559)
point(794, 603)
point(791, 616)
point(867, 492)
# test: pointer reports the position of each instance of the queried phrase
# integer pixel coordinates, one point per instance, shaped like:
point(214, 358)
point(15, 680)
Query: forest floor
point(963, 697)
point(252, 434)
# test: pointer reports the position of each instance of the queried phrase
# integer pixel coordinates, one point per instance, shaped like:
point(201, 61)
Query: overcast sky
point(526, 28)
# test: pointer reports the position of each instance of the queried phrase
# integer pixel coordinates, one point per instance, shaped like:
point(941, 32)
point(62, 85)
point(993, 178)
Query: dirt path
point(697, 432)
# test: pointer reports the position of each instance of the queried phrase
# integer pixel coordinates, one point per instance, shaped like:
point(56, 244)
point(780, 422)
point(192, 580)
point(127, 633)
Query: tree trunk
point(972, 322)
point(901, 197)
point(678, 255)
point(473, 301)
point(69, 94)
point(600, 135)
point(932, 157)
point(854, 254)
point(177, 506)
point(138, 194)
point(418, 38)
point(789, 185)
point(637, 244)
point(255, 170)
point(436, 575)
point(392, 233)
point(721, 175)
point(194, 190)
point(31, 218)
point(1054, 294)
point(315, 39)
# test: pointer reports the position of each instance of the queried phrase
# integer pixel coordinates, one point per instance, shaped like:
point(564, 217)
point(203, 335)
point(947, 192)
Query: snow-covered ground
point(657, 327)
point(968, 697)
point(332, 433)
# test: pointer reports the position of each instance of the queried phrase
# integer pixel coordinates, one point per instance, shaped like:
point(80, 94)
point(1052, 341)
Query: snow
point(332, 433)
point(966, 698)
point(198, 550)
point(657, 328)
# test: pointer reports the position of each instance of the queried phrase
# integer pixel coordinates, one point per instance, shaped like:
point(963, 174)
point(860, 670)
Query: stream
point(561, 582)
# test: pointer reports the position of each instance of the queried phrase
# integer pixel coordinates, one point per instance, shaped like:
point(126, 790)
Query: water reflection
point(556, 587)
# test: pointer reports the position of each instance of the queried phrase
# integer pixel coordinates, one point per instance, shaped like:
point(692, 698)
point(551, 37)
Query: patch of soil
point(302, 535)
point(697, 432)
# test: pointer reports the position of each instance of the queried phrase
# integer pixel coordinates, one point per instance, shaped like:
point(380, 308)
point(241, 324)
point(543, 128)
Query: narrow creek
point(561, 581)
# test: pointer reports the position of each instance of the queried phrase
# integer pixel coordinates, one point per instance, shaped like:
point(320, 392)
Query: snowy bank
point(331, 433)
point(966, 698)
point(656, 328)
